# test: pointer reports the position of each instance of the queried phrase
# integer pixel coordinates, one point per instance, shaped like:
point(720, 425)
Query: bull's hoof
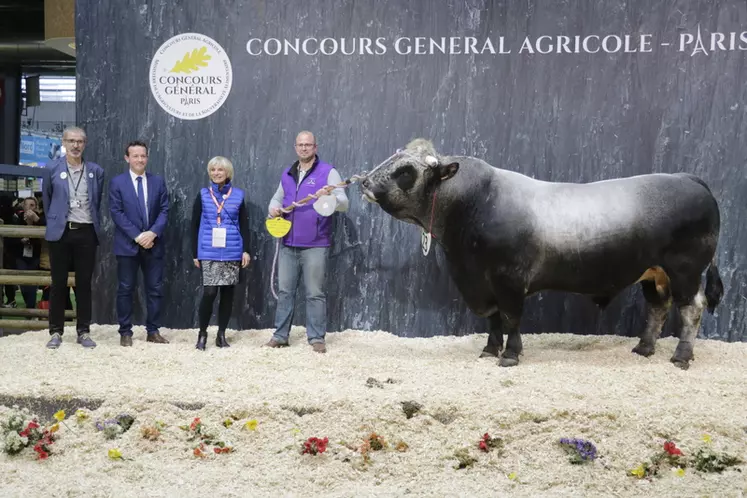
point(488, 353)
point(644, 349)
point(679, 363)
point(508, 362)
point(682, 355)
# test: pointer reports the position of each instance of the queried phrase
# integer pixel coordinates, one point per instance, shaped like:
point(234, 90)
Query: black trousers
point(77, 245)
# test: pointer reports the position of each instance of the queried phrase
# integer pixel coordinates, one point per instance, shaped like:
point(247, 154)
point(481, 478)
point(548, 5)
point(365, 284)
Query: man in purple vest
point(306, 246)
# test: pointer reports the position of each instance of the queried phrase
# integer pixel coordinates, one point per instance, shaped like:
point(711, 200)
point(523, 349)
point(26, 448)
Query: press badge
point(219, 237)
point(28, 251)
point(75, 203)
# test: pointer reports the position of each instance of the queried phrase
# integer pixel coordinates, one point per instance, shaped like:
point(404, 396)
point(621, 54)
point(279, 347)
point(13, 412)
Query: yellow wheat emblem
point(192, 61)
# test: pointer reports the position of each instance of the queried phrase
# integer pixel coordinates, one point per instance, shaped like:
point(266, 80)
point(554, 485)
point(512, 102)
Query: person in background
point(27, 251)
point(7, 206)
point(220, 241)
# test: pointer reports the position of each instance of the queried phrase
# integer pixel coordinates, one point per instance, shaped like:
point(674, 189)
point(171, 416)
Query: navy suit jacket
point(125, 212)
point(56, 196)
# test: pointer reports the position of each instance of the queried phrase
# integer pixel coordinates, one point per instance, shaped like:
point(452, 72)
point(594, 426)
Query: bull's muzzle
point(365, 188)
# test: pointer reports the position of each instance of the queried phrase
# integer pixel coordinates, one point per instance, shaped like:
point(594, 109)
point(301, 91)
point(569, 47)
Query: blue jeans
point(312, 262)
point(127, 270)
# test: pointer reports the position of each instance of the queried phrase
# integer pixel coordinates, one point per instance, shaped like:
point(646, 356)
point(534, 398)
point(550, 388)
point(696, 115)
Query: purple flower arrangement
point(579, 450)
point(113, 427)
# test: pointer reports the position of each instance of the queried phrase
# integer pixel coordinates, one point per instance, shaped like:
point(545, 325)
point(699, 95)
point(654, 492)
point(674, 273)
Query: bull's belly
point(603, 271)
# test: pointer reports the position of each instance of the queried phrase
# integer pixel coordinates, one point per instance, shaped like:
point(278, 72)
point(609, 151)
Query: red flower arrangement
point(486, 443)
point(199, 451)
point(314, 445)
point(196, 425)
point(672, 449)
point(42, 446)
point(204, 436)
point(18, 437)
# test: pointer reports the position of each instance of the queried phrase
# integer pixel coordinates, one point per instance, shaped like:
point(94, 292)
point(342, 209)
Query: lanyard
point(220, 206)
point(76, 185)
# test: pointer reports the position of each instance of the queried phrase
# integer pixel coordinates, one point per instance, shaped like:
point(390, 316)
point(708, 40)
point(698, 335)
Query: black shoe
point(201, 341)
point(125, 341)
point(221, 341)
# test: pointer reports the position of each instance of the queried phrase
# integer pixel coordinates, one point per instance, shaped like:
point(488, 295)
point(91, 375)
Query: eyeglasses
point(305, 146)
point(74, 142)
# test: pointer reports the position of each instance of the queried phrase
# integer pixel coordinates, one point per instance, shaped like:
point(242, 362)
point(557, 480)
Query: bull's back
point(600, 237)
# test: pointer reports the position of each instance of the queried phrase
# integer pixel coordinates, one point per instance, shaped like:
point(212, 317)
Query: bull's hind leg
point(657, 291)
point(691, 313)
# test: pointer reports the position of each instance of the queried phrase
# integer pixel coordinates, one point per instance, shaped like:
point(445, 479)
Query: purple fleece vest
point(308, 228)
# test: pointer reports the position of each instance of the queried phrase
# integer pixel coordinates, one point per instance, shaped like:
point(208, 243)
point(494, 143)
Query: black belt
point(74, 225)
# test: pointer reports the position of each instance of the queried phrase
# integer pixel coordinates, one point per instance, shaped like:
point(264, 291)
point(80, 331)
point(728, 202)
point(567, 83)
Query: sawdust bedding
point(571, 386)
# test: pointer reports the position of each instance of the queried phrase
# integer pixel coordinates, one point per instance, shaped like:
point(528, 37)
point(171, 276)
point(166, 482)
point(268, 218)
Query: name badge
point(219, 237)
point(28, 251)
point(75, 203)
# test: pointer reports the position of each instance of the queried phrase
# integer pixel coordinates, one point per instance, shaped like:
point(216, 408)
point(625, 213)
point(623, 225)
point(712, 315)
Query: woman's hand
point(196, 262)
point(245, 259)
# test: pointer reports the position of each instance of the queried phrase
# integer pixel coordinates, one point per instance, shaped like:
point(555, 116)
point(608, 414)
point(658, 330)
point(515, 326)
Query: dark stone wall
point(557, 116)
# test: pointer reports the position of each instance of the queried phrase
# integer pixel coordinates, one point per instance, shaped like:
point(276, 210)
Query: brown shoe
point(125, 340)
point(275, 344)
point(157, 338)
point(319, 347)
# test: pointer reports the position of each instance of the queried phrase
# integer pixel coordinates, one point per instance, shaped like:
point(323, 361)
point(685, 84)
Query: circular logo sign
point(190, 76)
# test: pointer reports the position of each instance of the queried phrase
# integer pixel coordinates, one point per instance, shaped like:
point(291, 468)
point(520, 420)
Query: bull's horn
point(431, 161)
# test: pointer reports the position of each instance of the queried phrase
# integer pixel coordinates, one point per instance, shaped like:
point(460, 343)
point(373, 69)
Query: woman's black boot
point(221, 341)
point(201, 340)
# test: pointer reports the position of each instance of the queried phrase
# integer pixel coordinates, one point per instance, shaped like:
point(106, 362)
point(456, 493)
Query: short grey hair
point(74, 129)
point(221, 161)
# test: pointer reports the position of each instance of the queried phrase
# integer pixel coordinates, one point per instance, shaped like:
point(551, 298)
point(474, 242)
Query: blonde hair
point(223, 162)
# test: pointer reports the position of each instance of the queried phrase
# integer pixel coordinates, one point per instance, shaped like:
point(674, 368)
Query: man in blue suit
point(72, 197)
point(139, 206)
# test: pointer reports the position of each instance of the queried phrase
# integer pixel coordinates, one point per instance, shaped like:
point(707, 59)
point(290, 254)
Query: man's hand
point(324, 191)
point(275, 212)
point(245, 259)
point(146, 239)
point(196, 262)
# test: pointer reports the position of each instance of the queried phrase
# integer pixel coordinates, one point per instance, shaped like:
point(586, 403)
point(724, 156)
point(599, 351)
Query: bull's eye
point(405, 177)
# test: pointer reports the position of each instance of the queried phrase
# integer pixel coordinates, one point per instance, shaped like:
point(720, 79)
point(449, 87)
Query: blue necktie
point(141, 202)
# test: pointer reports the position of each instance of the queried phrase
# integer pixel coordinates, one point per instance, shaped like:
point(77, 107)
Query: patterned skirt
point(220, 272)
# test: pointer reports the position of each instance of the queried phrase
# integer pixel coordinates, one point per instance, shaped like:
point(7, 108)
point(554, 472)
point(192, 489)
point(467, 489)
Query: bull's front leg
point(510, 300)
point(510, 325)
point(495, 337)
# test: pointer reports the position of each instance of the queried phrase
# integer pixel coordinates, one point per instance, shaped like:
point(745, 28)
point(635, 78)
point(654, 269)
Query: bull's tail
point(714, 288)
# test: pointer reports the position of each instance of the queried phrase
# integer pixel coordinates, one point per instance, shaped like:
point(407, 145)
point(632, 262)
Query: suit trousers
point(76, 246)
point(127, 270)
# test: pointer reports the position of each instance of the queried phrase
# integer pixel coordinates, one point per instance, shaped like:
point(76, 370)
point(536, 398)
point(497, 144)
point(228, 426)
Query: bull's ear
point(446, 171)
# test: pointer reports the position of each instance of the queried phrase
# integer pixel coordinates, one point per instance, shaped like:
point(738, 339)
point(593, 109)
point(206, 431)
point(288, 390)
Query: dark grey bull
point(507, 236)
